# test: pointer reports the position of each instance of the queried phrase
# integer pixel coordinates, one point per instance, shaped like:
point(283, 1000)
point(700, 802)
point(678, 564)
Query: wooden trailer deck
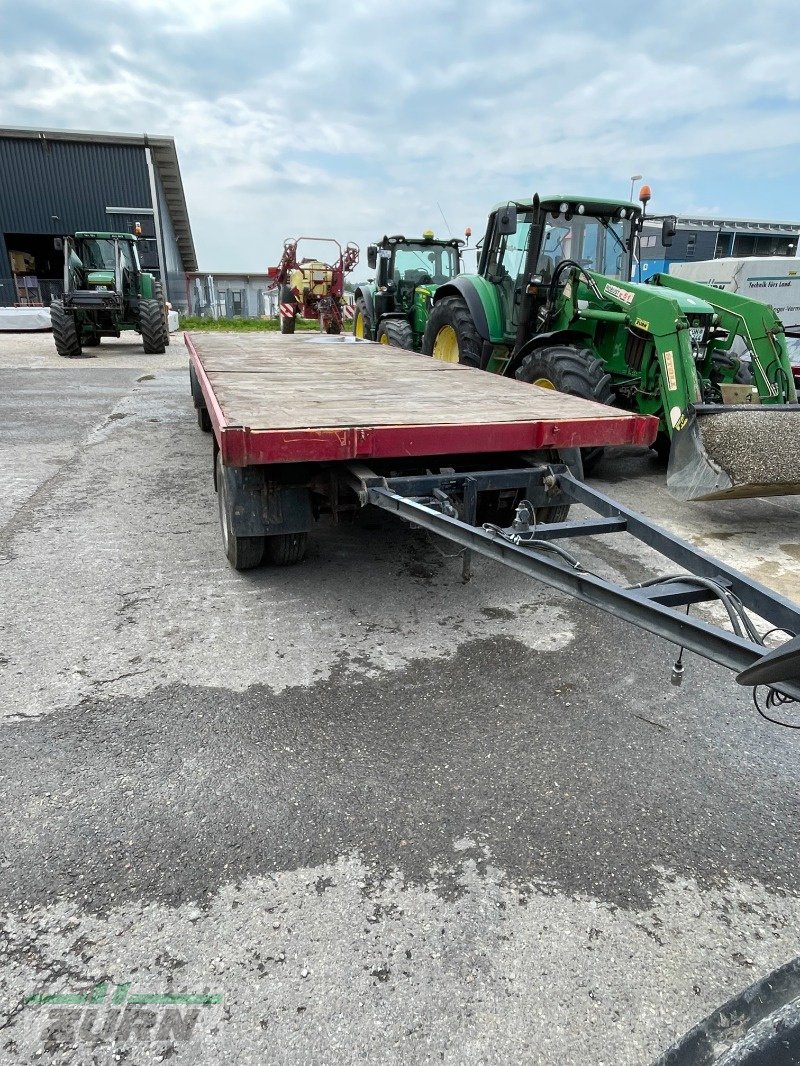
point(277, 399)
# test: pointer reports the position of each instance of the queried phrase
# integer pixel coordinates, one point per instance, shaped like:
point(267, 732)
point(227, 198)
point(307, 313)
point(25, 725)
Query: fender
point(545, 340)
point(482, 300)
point(366, 293)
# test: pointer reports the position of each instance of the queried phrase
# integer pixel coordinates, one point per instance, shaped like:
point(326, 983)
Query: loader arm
point(757, 325)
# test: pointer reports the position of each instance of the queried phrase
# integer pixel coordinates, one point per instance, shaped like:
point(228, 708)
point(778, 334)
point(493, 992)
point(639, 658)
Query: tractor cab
point(404, 263)
point(530, 244)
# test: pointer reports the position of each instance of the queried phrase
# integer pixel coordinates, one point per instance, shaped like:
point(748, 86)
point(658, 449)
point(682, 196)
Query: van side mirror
point(507, 220)
point(669, 227)
point(372, 256)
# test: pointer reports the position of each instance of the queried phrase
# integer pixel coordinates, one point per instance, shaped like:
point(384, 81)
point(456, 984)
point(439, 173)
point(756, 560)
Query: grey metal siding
point(74, 180)
point(175, 284)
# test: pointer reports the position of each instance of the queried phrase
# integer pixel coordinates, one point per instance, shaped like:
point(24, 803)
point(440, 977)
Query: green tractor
point(393, 309)
point(106, 291)
point(551, 304)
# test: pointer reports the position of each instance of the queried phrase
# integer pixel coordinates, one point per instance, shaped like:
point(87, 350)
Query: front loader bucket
point(732, 452)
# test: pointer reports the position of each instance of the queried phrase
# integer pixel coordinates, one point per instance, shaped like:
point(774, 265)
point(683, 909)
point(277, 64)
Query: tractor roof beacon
point(394, 307)
point(105, 292)
point(552, 304)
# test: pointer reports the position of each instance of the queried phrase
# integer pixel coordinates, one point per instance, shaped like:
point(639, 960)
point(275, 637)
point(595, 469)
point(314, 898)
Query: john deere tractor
point(106, 291)
point(552, 305)
point(393, 309)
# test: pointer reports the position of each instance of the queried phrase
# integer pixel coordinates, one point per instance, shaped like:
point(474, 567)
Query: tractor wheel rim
point(545, 383)
point(358, 327)
point(383, 339)
point(445, 346)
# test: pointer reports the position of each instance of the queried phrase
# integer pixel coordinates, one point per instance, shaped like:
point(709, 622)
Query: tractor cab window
point(599, 244)
point(506, 266)
point(423, 264)
point(97, 253)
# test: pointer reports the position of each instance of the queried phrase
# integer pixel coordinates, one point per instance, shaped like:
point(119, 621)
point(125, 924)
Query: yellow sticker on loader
point(669, 363)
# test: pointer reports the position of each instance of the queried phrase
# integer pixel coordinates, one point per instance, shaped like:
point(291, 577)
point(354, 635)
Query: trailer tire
point(243, 553)
point(158, 294)
point(288, 322)
point(575, 371)
point(333, 327)
point(286, 549)
point(362, 324)
point(65, 332)
point(151, 325)
point(397, 332)
point(450, 334)
point(204, 419)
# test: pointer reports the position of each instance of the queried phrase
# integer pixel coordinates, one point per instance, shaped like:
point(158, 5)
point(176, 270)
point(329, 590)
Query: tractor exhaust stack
point(735, 452)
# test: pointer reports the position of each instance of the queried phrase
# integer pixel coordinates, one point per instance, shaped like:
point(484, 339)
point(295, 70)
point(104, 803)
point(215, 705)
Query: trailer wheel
point(151, 325)
point(450, 334)
point(65, 332)
point(362, 325)
point(576, 371)
point(243, 553)
point(288, 322)
point(286, 549)
point(397, 332)
point(204, 419)
point(334, 326)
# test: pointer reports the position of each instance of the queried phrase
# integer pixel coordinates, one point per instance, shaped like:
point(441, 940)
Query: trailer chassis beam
point(655, 608)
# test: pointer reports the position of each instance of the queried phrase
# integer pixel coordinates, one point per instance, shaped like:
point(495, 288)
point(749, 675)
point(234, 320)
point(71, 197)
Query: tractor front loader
point(105, 292)
point(551, 304)
point(311, 288)
point(394, 308)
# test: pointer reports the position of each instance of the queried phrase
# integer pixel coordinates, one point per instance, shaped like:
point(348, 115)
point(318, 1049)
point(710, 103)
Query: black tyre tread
point(90, 341)
point(286, 549)
point(158, 294)
point(398, 333)
point(576, 371)
point(65, 333)
point(453, 311)
point(361, 306)
point(243, 553)
point(204, 419)
point(151, 326)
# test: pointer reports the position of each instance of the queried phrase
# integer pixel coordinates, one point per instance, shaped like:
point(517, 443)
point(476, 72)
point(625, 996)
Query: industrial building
point(55, 182)
point(699, 239)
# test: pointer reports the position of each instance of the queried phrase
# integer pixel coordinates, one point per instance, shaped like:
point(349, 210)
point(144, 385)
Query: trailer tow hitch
point(445, 504)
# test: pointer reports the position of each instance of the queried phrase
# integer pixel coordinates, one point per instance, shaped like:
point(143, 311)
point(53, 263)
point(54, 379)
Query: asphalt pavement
point(354, 810)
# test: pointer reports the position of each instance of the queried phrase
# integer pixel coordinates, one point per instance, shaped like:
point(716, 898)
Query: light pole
point(634, 178)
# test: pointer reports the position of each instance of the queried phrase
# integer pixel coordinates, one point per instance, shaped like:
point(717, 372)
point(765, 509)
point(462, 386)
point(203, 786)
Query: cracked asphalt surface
point(371, 813)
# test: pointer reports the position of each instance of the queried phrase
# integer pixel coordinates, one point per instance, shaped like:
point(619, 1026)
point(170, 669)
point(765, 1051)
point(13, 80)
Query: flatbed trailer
point(304, 427)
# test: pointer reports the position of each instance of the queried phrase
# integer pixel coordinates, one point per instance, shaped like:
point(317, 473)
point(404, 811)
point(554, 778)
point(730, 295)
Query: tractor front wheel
point(576, 371)
point(362, 324)
point(451, 334)
point(65, 332)
point(397, 332)
point(151, 326)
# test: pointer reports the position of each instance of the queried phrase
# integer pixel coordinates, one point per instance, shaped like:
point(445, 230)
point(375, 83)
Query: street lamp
point(634, 178)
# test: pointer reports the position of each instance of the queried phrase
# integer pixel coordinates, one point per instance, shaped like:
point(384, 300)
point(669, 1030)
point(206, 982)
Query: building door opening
point(37, 267)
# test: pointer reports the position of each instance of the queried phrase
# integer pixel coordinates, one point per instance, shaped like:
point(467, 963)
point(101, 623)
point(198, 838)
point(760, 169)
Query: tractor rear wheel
point(451, 334)
point(65, 332)
point(576, 371)
point(397, 332)
point(362, 324)
point(151, 326)
point(158, 294)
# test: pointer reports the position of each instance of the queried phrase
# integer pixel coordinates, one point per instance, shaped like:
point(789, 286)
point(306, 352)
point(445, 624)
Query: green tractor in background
point(551, 304)
point(393, 309)
point(106, 291)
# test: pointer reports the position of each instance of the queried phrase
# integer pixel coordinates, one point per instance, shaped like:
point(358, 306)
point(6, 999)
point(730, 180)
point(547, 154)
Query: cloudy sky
point(353, 119)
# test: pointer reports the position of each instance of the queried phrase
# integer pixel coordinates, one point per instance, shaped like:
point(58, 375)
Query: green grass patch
point(244, 325)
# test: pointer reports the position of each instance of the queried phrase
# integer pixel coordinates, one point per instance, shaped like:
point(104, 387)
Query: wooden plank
point(291, 399)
